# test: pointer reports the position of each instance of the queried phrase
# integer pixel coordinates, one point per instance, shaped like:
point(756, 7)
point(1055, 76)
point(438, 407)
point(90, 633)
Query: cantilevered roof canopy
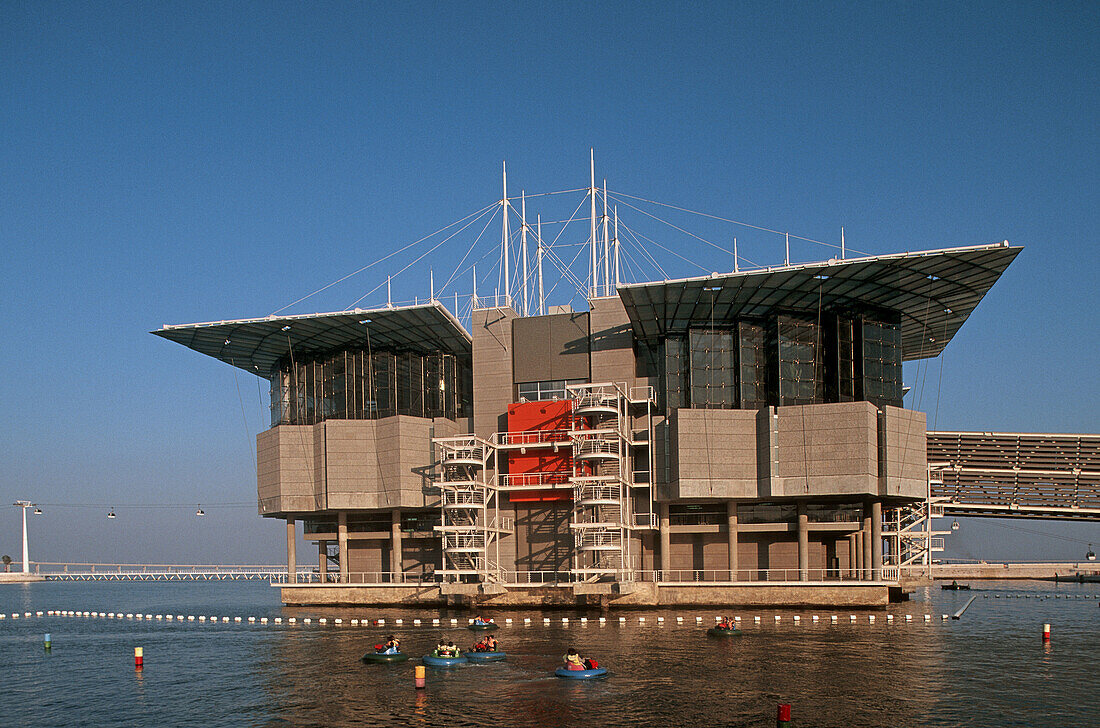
point(934, 291)
point(256, 345)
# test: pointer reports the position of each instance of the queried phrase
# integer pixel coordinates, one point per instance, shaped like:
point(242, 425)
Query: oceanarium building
point(738, 438)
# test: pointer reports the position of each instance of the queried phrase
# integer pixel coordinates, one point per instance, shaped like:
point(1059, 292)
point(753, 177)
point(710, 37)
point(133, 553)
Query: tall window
point(712, 369)
point(882, 382)
point(752, 366)
point(799, 362)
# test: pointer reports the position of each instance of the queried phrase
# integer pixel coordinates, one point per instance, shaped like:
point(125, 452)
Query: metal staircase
point(471, 524)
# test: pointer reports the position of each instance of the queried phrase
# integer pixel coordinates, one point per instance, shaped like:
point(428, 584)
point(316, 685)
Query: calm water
point(987, 669)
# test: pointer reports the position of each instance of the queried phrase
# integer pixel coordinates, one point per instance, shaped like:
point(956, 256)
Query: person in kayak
point(481, 620)
point(573, 661)
point(725, 623)
point(446, 649)
point(392, 646)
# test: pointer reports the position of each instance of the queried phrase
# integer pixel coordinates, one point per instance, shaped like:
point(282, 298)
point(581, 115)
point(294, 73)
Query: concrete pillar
point(322, 559)
point(666, 555)
point(803, 543)
point(342, 544)
point(291, 553)
point(859, 555)
point(731, 533)
point(853, 558)
point(866, 535)
point(396, 553)
point(876, 540)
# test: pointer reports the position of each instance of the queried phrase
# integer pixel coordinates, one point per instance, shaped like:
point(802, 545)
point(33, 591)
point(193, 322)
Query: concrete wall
point(349, 464)
point(285, 476)
point(492, 367)
point(715, 453)
point(826, 449)
point(809, 451)
point(550, 347)
point(904, 462)
point(612, 343)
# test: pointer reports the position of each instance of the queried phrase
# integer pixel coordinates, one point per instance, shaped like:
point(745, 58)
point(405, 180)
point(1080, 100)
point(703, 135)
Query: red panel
point(539, 496)
point(526, 416)
point(541, 416)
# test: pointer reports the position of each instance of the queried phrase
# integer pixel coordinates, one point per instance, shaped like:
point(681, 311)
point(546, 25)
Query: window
point(752, 368)
point(882, 362)
point(712, 369)
point(553, 389)
point(799, 361)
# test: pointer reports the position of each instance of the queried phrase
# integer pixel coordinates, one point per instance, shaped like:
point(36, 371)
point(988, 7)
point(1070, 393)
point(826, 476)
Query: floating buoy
point(420, 675)
point(139, 658)
point(47, 643)
point(1046, 633)
point(783, 715)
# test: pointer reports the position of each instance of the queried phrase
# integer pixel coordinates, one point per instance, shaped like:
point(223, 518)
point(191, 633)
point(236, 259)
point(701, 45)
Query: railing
point(533, 437)
point(886, 573)
point(534, 480)
point(605, 493)
point(453, 498)
point(361, 577)
point(464, 541)
point(642, 394)
point(645, 520)
point(592, 539)
point(586, 446)
point(604, 400)
point(496, 301)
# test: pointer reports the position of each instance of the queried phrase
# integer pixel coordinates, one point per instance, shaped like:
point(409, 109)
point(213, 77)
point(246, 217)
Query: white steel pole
point(523, 243)
point(842, 243)
point(389, 297)
point(26, 556)
point(787, 254)
point(538, 234)
point(473, 304)
point(504, 236)
point(431, 284)
point(616, 247)
point(592, 194)
point(735, 270)
point(606, 245)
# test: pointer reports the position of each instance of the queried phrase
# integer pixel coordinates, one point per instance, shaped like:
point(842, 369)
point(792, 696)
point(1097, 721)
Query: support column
point(342, 544)
point(803, 543)
point(866, 535)
point(396, 553)
point(853, 560)
point(322, 559)
point(731, 532)
point(876, 540)
point(666, 556)
point(859, 555)
point(291, 553)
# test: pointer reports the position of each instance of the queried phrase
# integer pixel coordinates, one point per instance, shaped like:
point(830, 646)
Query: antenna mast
point(606, 245)
point(592, 194)
point(523, 243)
point(538, 258)
point(504, 236)
point(842, 243)
point(616, 247)
point(735, 269)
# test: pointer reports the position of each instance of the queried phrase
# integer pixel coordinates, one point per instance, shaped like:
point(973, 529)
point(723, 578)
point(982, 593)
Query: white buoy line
point(660, 621)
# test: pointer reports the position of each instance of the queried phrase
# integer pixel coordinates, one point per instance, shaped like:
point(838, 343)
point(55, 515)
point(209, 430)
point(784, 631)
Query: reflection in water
point(850, 674)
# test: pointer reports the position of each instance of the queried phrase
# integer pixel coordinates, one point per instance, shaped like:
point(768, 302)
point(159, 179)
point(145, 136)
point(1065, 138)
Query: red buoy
point(139, 658)
point(1046, 633)
point(783, 715)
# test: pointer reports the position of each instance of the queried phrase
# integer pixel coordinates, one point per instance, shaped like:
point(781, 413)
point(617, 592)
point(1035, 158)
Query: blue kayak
point(720, 632)
point(486, 656)
point(383, 657)
point(482, 626)
point(443, 661)
point(580, 674)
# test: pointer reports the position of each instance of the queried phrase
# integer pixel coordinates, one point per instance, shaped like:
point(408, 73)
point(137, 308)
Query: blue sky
point(179, 162)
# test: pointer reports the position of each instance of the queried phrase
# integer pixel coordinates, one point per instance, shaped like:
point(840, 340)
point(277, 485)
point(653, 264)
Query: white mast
point(389, 298)
point(523, 243)
point(538, 234)
point(431, 284)
point(504, 236)
point(606, 245)
point(735, 255)
point(616, 247)
point(842, 243)
point(592, 194)
point(474, 304)
point(787, 254)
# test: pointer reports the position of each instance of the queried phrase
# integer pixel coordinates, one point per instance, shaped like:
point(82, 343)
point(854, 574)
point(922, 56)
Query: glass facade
point(712, 356)
point(785, 359)
point(357, 385)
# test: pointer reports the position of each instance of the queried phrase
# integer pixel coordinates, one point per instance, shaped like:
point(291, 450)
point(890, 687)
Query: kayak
point(955, 587)
point(719, 632)
point(381, 657)
point(443, 661)
point(580, 674)
point(486, 656)
point(484, 627)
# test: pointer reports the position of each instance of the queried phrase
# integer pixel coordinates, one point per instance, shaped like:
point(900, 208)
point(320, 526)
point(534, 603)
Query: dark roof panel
point(934, 291)
point(256, 345)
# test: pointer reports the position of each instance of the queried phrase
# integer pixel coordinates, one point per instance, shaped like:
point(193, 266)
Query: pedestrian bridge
point(58, 571)
point(1020, 475)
